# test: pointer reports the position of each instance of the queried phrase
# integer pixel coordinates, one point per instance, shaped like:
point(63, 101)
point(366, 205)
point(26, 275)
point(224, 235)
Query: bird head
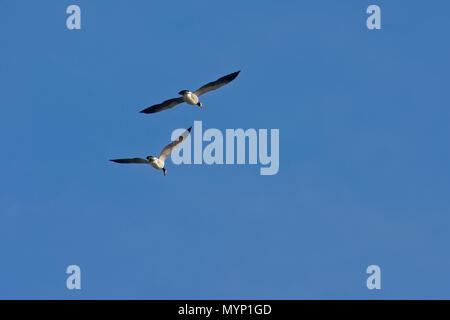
point(164, 171)
point(199, 104)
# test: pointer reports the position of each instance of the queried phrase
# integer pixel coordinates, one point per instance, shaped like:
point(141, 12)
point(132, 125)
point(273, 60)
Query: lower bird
point(158, 162)
point(192, 97)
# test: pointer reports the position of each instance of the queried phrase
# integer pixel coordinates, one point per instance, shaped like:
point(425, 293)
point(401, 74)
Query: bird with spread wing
point(158, 162)
point(192, 97)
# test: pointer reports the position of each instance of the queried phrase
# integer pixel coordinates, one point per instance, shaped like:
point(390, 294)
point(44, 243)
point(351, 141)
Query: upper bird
point(192, 97)
point(158, 163)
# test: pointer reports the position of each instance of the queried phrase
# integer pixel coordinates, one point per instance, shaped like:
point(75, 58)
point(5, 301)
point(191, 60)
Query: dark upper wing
point(171, 146)
point(133, 160)
point(216, 84)
point(163, 106)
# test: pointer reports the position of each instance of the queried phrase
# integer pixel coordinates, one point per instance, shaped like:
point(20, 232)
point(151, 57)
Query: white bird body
point(190, 98)
point(157, 163)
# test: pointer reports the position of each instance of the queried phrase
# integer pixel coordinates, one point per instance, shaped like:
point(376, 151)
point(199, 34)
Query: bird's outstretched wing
point(216, 84)
point(163, 106)
point(132, 160)
point(170, 147)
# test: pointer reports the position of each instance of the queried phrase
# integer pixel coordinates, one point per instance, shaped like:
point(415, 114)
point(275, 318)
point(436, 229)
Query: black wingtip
point(189, 129)
point(233, 75)
point(148, 110)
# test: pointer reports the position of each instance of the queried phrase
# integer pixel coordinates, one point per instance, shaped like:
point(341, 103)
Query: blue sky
point(364, 159)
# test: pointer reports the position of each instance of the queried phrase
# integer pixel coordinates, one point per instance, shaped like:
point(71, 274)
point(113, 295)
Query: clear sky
point(364, 158)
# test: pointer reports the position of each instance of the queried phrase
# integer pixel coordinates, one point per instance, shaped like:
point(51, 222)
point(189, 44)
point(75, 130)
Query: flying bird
point(192, 97)
point(158, 162)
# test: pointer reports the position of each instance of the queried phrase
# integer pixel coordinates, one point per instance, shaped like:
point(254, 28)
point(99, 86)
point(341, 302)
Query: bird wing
point(132, 160)
point(163, 106)
point(170, 147)
point(216, 84)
